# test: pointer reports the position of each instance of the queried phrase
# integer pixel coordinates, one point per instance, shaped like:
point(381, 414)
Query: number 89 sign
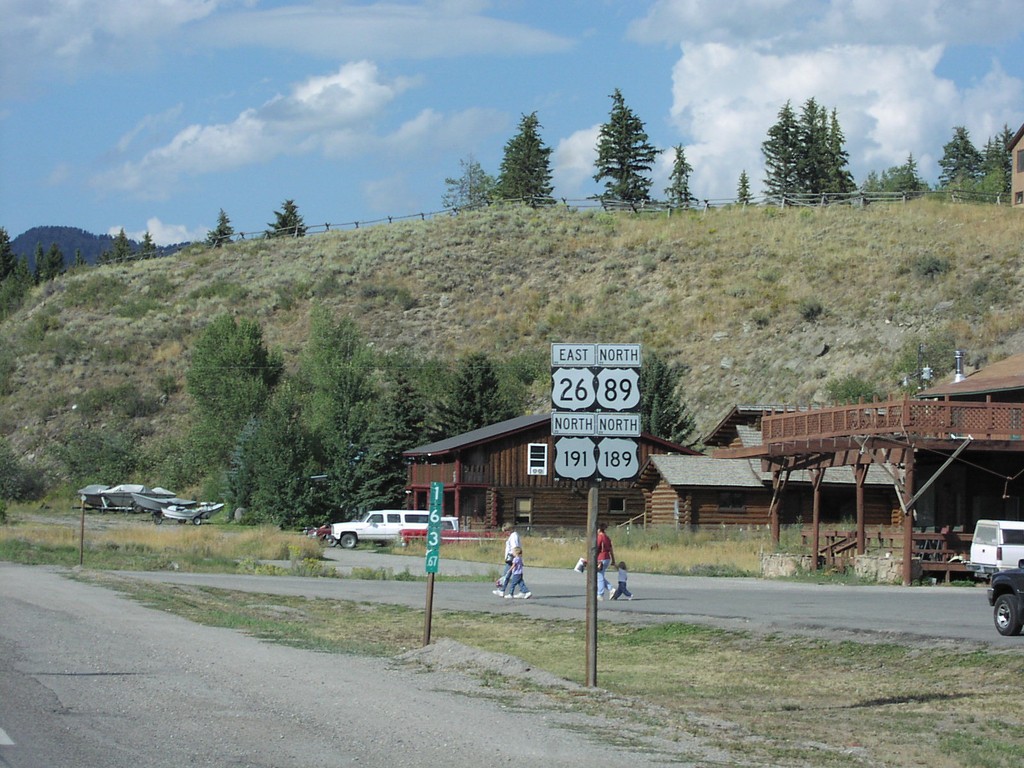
point(575, 458)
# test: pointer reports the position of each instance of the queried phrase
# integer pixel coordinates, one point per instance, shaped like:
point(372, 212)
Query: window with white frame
point(537, 459)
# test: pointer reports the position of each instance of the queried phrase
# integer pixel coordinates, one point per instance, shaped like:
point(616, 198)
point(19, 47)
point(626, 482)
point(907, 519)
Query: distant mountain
point(70, 240)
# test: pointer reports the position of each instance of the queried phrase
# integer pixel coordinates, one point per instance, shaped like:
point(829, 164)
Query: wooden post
point(816, 475)
point(908, 518)
point(860, 473)
point(591, 596)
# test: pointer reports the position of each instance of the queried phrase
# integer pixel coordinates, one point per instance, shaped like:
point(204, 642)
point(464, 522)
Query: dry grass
point(726, 293)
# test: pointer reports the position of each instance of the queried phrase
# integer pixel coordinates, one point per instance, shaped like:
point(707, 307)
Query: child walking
point(515, 577)
point(622, 590)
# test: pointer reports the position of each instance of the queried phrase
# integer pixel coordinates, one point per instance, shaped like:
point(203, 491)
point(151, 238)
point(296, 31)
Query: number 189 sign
point(600, 379)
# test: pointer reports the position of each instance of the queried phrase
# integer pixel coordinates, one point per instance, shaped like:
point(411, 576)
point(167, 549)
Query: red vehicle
point(322, 533)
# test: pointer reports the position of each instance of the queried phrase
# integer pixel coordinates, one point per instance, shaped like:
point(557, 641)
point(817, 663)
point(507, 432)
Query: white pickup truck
point(385, 526)
point(998, 545)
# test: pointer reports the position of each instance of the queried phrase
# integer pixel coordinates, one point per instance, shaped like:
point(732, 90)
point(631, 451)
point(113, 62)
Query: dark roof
point(481, 435)
point(1006, 375)
point(741, 415)
point(708, 472)
point(511, 427)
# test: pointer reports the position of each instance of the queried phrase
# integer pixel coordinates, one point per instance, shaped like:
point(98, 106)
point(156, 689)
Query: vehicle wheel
point(158, 519)
point(197, 520)
point(1007, 615)
point(348, 540)
point(331, 541)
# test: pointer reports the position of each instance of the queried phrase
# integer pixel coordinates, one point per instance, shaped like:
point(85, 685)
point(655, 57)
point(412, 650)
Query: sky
point(154, 115)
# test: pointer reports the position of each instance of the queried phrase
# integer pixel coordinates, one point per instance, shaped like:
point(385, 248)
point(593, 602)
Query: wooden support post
point(908, 519)
point(860, 473)
point(816, 476)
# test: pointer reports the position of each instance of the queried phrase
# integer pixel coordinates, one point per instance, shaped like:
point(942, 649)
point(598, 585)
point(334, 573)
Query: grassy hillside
point(761, 304)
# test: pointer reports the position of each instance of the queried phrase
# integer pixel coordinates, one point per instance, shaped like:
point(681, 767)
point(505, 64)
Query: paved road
point(919, 615)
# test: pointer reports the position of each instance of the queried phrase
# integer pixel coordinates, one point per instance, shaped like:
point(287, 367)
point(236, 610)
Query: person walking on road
point(515, 577)
point(605, 558)
point(511, 543)
point(622, 590)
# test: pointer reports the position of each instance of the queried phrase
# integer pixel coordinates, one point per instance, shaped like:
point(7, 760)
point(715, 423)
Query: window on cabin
point(537, 459)
point(1020, 161)
point(617, 506)
point(732, 500)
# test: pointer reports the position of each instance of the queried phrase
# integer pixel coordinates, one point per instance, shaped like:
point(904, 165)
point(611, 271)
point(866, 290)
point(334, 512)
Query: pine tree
point(120, 251)
point(473, 189)
point(624, 155)
point(662, 412)
point(79, 259)
point(997, 163)
point(782, 152)
point(813, 162)
point(525, 172)
point(288, 222)
point(678, 190)
point(839, 178)
point(52, 264)
point(743, 196)
point(961, 162)
point(8, 261)
point(476, 398)
point(222, 233)
point(37, 259)
point(147, 250)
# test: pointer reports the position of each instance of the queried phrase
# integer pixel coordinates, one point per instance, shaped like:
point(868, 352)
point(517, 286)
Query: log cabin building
point(504, 472)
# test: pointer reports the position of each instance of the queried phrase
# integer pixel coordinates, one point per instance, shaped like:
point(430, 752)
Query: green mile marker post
point(433, 556)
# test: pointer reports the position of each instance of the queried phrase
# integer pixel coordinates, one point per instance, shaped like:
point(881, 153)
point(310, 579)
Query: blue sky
point(155, 114)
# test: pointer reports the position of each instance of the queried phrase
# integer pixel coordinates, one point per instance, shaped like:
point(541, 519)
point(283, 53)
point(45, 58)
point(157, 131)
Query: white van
point(384, 526)
point(998, 545)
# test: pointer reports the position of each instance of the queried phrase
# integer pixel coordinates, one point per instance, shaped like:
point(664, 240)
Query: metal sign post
point(433, 556)
point(595, 389)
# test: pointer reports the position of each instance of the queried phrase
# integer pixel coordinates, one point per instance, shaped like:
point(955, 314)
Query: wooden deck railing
point(940, 419)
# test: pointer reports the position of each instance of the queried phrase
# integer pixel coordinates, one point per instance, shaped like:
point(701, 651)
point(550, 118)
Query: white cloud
point(311, 117)
point(37, 38)
point(889, 100)
point(380, 31)
point(162, 234)
point(572, 164)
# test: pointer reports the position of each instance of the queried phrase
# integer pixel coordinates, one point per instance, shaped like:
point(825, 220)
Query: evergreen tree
point(8, 261)
point(473, 189)
point(525, 172)
point(38, 257)
point(288, 222)
point(476, 398)
point(662, 412)
point(743, 196)
point(230, 379)
point(397, 424)
point(838, 178)
point(782, 152)
point(624, 155)
point(678, 189)
point(997, 163)
point(813, 162)
point(120, 251)
point(52, 264)
point(222, 233)
point(961, 162)
point(147, 248)
point(79, 259)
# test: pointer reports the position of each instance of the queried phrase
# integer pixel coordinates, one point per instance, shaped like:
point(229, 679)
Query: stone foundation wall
point(776, 566)
point(884, 570)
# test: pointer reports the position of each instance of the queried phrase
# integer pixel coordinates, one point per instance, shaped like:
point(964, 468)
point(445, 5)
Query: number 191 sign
point(605, 380)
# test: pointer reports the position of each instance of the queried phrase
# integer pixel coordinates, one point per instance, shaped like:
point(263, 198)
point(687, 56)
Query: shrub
point(811, 309)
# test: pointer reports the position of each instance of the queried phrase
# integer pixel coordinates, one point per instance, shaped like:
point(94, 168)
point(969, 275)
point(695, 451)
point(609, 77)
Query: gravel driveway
point(88, 677)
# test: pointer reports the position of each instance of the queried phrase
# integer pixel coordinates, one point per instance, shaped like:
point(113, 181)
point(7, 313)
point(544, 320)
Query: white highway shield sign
point(574, 458)
point(618, 389)
point(617, 458)
point(572, 389)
